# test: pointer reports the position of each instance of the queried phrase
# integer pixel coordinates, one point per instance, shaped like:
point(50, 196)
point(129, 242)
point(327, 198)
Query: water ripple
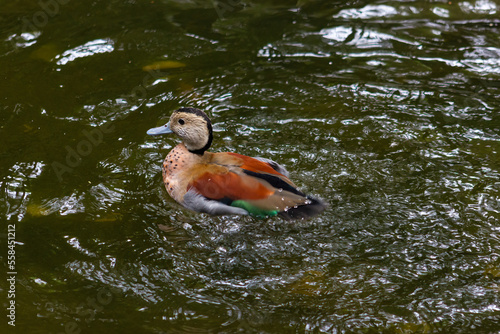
point(388, 111)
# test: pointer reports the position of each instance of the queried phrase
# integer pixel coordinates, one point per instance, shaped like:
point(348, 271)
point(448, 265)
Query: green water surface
point(387, 110)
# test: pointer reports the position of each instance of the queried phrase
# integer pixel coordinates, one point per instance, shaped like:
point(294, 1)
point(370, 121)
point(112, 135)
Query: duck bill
point(161, 130)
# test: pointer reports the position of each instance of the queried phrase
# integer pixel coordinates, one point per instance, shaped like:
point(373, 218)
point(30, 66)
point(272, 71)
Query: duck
point(227, 183)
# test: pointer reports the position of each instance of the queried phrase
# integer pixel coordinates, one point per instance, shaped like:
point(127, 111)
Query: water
point(386, 110)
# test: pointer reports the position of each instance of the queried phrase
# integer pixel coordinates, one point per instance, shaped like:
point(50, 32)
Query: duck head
point(192, 125)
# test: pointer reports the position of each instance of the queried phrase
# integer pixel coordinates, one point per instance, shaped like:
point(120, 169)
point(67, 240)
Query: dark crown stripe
point(196, 112)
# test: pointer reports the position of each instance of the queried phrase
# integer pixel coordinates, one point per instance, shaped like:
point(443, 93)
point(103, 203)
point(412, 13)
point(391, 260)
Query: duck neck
point(202, 150)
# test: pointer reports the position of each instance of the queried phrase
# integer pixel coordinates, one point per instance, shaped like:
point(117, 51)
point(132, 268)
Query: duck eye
point(181, 121)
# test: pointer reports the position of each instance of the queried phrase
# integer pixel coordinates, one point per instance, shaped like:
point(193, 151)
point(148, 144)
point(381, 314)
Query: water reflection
point(86, 50)
point(387, 111)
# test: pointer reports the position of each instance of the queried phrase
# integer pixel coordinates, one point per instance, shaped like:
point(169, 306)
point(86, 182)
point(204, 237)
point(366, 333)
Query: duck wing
point(237, 184)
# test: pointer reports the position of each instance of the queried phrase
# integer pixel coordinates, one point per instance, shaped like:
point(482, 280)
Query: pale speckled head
point(192, 125)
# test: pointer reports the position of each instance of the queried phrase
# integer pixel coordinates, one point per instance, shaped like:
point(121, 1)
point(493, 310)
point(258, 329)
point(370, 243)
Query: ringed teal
point(227, 183)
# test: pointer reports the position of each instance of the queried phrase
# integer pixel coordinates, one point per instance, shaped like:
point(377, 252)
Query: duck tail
point(305, 211)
